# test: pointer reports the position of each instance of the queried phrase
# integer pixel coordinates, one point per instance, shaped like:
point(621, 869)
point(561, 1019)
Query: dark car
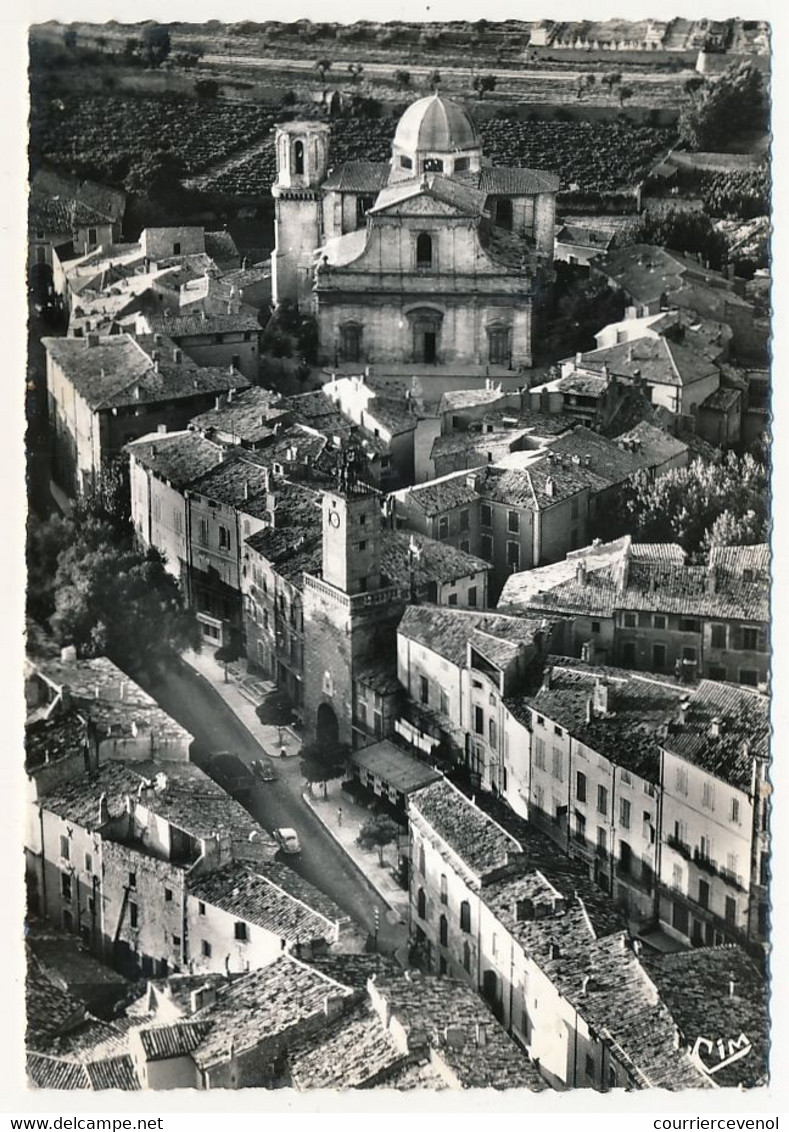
point(231, 773)
point(263, 769)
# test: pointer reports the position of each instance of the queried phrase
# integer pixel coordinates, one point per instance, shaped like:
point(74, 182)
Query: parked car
point(232, 773)
point(263, 769)
point(288, 840)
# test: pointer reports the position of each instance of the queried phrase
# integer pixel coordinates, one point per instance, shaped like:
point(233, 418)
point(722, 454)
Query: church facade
point(434, 258)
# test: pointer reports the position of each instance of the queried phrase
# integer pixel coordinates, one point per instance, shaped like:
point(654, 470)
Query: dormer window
point(433, 165)
point(424, 250)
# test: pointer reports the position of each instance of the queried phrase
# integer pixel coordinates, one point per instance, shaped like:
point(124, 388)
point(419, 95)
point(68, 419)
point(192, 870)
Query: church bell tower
point(302, 150)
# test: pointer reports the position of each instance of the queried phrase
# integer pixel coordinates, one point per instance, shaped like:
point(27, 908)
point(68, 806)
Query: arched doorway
point(426, 327)
point(327, 730)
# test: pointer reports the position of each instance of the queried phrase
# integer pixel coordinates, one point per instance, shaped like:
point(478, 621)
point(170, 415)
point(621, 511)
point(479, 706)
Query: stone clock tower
point(350, 614)
point(302, 150)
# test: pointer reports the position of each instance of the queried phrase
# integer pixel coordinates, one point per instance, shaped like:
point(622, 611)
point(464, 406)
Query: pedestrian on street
point(339, 815)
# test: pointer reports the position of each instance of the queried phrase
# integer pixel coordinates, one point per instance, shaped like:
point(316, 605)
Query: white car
point(288, 840)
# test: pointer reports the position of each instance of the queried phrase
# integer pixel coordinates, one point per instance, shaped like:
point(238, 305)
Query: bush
point(206, 88)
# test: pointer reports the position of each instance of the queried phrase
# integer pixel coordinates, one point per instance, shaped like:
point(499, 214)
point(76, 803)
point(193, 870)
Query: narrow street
point(192, 701)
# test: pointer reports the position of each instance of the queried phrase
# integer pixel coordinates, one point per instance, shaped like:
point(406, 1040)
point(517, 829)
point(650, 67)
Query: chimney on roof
point(716, 727)
point(556, 951)
point(579, 359)
point(246, 489)
point(550, 487)
point(547, 678)
point(589, 705)
point(603, 697)
point(481, 1034)
point(68, 654)
point(104, 810)
point(682, 713)
point(230, 393)
point(91, 340)
point(177, 355)
point(731, 986)
point(156, 366)
point(630, 351)
point(587, 464)
point(580, 573)
point(162, 428)
point(202, 997)
point(471, 481)
point(157, 339)
point(587, 652)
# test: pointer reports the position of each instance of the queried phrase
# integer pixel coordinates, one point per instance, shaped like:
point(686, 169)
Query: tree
point(403, 79)
point(694, 505)
point(583, 305)
point(682, 231)
point(206, 88)
point(612, 79)
point(322, 762)
point(484, 83)
point(434, 80)
point(584, 81)
point(276, 710)
point(692, 85)
point(355, 71)
point(377, 833)
point(625, 94)
point(735, 103)
point(70, 38)
point(322, 66)
point(131, 50)
point(156, 175)
point(155, 44)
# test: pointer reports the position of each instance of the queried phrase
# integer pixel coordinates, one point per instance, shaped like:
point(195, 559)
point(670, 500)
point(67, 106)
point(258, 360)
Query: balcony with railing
point(679, 846)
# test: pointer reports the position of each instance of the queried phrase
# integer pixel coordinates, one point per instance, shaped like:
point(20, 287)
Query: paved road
point(193, 702)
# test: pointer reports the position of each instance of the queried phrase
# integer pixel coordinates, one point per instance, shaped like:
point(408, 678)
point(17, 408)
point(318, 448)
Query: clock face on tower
point(334, 518)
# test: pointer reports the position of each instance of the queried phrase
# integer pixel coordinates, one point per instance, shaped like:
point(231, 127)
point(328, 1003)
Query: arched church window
point(424, 250)
point(504, 213)
point(298, 157)
point(433, 165)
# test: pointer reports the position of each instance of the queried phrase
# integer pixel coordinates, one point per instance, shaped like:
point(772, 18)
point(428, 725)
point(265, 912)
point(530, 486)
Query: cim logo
point(727, 1052)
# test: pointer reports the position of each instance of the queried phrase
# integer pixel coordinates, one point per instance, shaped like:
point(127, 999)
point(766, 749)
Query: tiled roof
point(526, 585)
point(478, 446)
point(380, 674)
point(629, 733)
point(717, 992)
point(102, 692)
point(529, 488)
point(743, 732)
point(249, 416)
point(113, 1073)
point(445, 630)
point(479, 1054)
point(539, 424)
point(349, 1054)
point(471, 835)
point(607, 460)
point(443, 495)
point(247, 276)
point(50, 738)
point(298, 888)
point(597, 238)
point(186, 325)
point(722, 400)
point(435, 562)
point(395, 416)
point(658, 361)
point(468, 398)
point(234, 482)
point(654, 444)
point(262, 1004)
point(451, 191)
point(354, 970)
point(358, 177)
point(256, 898)
point(177, 457)
point(55, 196)
point(339, 251)
point(173, 1039)
point(45, 1072)
point(121, 371)
point(647, 272)
point(389, 763)
point(661, 553)
point(49, 1009)
point(495, 180)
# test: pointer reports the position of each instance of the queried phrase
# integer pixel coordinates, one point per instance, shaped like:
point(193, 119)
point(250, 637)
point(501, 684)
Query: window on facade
point(513, 522)
point(513, 556)
point(486, 515)
point(240, 930)
point(471, 597)
point(298, 157)
point(629, 620)
point(595, 626)
point(503, 213)
point(177, 248)
point(466, 957)
point(580, 827)
point(422, 859)
point(718, 636)
point(625, 857)
point(734, 812)
point(689, 652)
point(443, 932)
point(424, 250)
point(465, 916)
point(689, 625)
point(750, 640)
point(443, 886)
point(659, 657)
point(443, 702)
point(602, 800)
point(65, 886)
point(681, 780)
point(730, 911)
point(204, 532)
point(421, 904)
point(406, 162)
point(88, 862)
point(624, 813)
point(749, 676)
point(201, 908)
point(206, 949)
point(580, 786)
point(65, 847)
point(659, 621)
point(464, 519)
point(443, 527)
point(424, 690)
point(557, 764)
point(676, 878)
point(452, 599)
point(224, 538)
point(133, 915)
point(539, 753)
point(486, 547)
point(499, 345)
point(732, 862)
point(493, 734)
point(705, 848)
point(479, 721)
point(168, 895)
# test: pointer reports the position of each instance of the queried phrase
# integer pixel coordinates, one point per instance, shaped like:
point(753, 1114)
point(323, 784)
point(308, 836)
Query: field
point(95, 134)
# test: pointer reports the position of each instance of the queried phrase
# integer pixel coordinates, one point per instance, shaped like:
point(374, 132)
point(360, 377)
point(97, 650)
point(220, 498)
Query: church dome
point(435, 124)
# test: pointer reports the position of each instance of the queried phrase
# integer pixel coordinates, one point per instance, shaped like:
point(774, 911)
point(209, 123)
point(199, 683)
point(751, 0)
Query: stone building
point(435, 257)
